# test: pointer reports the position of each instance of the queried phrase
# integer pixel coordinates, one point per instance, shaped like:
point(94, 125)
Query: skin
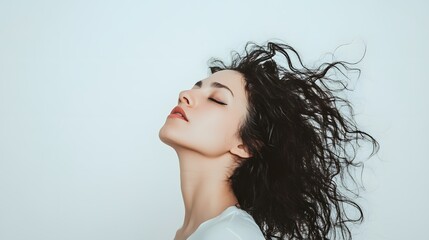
point(206, 146)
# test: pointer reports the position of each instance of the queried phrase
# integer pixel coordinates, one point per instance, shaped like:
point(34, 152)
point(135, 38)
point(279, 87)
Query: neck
point(205, 188)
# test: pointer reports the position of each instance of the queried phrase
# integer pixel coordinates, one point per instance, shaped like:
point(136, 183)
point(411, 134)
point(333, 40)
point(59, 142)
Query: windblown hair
point(303, 140)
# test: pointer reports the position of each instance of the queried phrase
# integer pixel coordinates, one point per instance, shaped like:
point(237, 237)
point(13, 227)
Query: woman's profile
point(265, 146)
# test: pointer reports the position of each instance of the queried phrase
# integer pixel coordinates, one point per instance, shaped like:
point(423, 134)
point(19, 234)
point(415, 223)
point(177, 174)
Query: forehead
point(230, 78)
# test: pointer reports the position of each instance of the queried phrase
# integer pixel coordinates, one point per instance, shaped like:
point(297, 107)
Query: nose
point(185, 97)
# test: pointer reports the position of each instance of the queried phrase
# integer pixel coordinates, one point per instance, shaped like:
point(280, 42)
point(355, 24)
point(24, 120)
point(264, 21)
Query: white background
point(86, 85)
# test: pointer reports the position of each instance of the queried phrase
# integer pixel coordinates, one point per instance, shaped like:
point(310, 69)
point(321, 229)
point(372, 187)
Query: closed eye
point(216, 101)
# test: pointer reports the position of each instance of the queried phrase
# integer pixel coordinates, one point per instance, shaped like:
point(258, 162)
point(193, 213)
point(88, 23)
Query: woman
point(263, 148)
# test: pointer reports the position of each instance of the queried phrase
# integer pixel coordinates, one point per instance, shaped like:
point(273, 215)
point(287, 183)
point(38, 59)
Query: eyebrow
point(216, 85)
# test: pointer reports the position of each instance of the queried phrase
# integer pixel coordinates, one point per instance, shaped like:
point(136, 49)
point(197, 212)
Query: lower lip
point(176, 116)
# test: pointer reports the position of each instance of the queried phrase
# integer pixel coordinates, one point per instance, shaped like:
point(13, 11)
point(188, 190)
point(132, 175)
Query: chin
point(163, 135)
point(169, 137)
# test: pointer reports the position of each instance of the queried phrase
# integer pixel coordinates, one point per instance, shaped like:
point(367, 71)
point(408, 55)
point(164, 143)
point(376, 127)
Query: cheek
point(216, 133)
point(219, 123)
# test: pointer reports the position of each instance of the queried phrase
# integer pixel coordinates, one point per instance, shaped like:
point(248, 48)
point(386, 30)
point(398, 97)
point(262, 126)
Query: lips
point(178, 111)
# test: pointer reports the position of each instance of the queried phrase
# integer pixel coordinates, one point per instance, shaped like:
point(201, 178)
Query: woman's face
point(215, 107)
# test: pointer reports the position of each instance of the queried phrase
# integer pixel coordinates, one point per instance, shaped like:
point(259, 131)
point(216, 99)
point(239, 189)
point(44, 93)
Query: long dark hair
point(303, 140)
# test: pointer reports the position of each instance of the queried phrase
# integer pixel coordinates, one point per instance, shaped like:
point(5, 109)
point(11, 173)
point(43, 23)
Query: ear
point(241, 151)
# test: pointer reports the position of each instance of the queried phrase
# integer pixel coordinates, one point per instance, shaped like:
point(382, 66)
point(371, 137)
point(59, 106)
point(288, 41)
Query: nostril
point(186, 100)
point(182, 98)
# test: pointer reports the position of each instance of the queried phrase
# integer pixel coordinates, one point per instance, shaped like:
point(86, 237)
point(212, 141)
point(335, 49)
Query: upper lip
point(178, 109)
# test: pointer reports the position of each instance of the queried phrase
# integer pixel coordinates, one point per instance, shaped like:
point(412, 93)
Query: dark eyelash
point(214, 100)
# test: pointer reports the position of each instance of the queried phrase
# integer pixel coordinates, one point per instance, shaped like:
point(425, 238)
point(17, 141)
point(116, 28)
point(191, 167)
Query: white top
point(232, 224)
